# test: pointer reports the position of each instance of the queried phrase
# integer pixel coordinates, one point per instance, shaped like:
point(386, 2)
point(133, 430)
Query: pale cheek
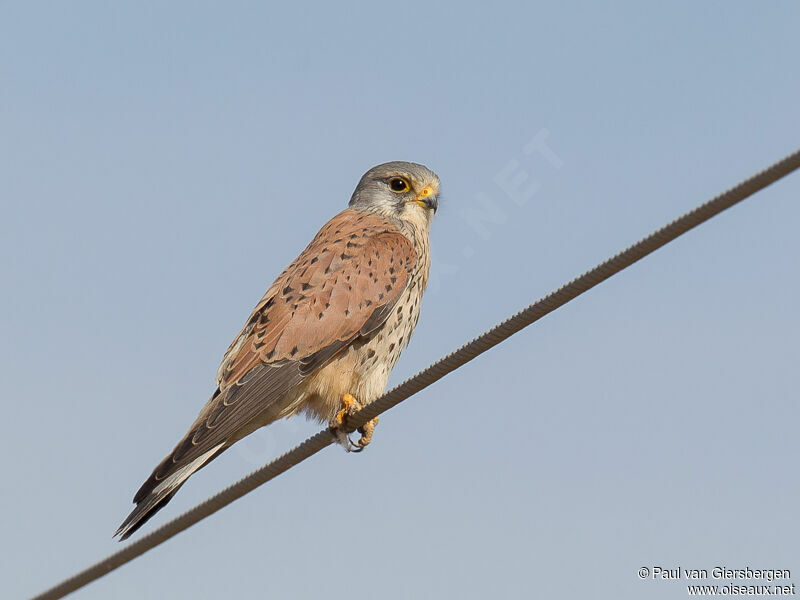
point(414, 213)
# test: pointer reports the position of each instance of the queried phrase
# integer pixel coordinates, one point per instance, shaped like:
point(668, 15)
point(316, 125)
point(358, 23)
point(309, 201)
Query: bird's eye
point(399, 185)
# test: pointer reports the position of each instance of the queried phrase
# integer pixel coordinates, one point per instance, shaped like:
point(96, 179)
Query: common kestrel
point(325, 336)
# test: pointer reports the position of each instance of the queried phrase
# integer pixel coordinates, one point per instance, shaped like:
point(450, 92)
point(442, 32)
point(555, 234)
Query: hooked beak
point(427, 198)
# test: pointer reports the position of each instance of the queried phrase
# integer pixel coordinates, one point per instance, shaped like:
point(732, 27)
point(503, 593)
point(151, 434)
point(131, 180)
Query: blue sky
point(160, 165)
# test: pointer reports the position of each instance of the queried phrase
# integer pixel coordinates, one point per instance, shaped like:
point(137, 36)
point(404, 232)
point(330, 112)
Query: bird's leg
point(350, 406)
point(366, 434)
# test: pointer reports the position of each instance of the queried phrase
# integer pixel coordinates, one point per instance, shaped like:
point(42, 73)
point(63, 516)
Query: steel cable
point(433, 373)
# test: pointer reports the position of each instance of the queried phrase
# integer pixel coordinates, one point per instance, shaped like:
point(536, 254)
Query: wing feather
point(342, 286)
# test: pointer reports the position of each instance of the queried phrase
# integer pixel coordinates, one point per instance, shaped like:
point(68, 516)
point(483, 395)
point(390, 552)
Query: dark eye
point(399, 185)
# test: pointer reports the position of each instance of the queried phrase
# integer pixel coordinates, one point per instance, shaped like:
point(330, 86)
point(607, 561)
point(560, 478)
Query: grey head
point(400, 190)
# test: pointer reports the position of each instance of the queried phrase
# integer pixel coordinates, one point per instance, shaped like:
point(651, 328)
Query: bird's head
point(400, 190)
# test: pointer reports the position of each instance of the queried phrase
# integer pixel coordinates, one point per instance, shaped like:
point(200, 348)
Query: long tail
point(155, 494)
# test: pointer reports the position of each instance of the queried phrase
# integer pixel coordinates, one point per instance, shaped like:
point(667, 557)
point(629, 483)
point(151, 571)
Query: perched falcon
point(325, 336)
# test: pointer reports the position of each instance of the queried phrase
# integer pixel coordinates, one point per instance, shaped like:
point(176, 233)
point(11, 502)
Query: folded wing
point(342, 287)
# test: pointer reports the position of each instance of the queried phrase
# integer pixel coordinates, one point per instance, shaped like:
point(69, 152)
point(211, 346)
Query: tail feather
point(155, 494)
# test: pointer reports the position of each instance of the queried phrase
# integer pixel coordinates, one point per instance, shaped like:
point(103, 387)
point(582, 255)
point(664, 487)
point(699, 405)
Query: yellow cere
point(426, 191)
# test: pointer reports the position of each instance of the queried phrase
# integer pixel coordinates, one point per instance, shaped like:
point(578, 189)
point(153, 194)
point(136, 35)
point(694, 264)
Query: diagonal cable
point(433, 373)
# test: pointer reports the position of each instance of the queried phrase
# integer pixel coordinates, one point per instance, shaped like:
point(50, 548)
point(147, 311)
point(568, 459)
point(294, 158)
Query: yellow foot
point(366, 434)
point(350, 406)
point(339, 429)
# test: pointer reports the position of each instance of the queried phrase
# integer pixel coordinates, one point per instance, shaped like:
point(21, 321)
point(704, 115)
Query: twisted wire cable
point(433, 373)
